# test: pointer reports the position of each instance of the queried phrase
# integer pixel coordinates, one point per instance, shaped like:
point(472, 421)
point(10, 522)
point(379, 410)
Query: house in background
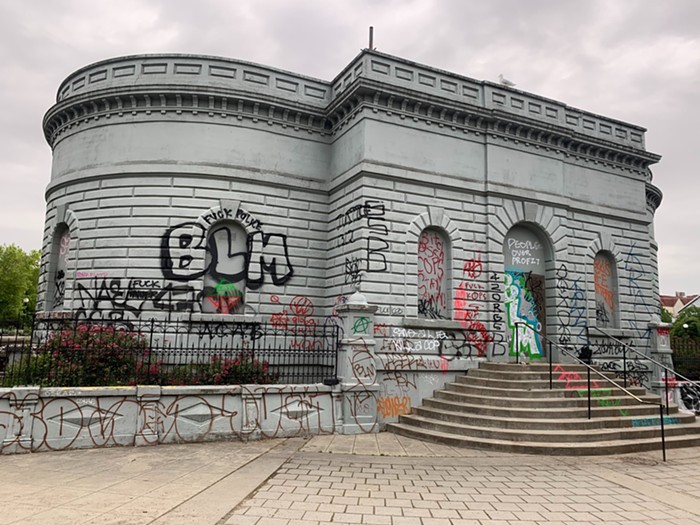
point(674, 304)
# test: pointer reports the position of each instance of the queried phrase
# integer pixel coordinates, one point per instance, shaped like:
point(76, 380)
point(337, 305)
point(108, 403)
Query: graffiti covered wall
point(242, 192)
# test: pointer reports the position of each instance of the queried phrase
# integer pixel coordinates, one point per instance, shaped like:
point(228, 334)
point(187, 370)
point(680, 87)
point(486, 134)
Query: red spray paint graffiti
point(467, 301)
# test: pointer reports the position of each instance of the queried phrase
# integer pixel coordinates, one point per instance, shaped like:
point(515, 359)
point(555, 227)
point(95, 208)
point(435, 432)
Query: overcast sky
point(633, 60)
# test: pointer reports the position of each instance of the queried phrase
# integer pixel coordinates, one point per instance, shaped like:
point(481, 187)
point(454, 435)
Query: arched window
point(433, 275)
point(605, 281)
point(226, 263)
point(58, 267)
point(525, 253)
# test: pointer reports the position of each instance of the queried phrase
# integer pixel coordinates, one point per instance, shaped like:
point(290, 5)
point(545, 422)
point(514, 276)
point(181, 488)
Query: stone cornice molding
point(230, 91)
point(199, 72)
point(654, 197)
point(484, 124)
point(70, 115)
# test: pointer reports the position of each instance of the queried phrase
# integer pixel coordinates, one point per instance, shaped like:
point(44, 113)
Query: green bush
point(686, 357)
point(244, 369)
point(100, 355)
point(93, 355)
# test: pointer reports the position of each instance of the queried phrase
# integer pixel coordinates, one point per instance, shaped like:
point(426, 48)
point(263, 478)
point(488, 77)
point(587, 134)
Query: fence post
point(357, 367)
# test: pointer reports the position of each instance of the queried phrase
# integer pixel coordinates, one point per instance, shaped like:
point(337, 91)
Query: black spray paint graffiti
point(180, 244)
point(445, 344)
point(348, 229)
point(637, 371)
point(635, 274)
point(499, 346)
point(59, 284)
point(571, 309)
point(124, 299)
point(690, 396)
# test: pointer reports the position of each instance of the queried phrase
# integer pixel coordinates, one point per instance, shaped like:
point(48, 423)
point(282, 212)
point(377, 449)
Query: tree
point(687, 325)
point(666, 317)
point(19, 276)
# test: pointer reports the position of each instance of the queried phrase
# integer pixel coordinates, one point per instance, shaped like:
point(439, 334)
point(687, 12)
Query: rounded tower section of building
point(175, 185)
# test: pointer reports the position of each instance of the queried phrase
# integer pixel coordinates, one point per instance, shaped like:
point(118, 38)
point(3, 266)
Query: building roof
point(668, 301)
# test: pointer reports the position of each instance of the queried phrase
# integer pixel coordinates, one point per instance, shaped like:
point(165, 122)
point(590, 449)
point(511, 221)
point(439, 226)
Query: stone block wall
point(342, 185)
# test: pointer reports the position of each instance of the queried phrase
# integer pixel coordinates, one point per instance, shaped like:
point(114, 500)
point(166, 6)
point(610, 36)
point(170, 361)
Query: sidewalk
point(372, 479)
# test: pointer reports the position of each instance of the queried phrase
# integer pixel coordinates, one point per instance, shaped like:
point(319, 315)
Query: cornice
point(482, 124)
point(654, 197)
point(227, 91)
point(76, 113)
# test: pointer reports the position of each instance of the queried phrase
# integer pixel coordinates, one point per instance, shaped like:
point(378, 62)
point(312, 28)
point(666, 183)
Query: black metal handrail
point(666, 369)
point(590, 368)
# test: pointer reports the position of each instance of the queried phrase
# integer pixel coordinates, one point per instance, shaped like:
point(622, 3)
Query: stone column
point(660, 350)
point(250, 405)
point(357, 367)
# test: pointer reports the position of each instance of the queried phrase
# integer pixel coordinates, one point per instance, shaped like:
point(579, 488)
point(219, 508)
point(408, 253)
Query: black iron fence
point(686, 357)
point(69, 352)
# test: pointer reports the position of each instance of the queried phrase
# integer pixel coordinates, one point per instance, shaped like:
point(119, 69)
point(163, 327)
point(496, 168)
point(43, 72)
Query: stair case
point(510, 408)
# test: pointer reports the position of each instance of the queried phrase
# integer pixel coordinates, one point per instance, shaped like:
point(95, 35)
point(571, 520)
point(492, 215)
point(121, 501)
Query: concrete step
point(555, 434)
point(599, 398)
point(544, 413)
point(554, 449)
point(535, 383)
point(531, 367)
point(510, 407)
point(466, 388)
point(542, 375)
point(543, 423)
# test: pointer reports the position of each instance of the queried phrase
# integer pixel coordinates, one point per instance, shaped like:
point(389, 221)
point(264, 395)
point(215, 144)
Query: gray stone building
point(196, 188)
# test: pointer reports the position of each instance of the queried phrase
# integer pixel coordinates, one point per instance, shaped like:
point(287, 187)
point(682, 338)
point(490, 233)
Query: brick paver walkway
point(314, 489)
point(367, 479)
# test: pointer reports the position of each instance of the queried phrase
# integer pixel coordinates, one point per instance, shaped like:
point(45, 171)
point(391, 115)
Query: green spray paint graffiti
point(601, 397)
point(522, 307)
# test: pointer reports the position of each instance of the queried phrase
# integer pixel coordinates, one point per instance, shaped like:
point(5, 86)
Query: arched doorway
point(527, 257)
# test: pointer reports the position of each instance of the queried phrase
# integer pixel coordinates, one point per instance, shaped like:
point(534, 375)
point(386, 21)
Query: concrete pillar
point(357, 367)
point(250, 403)
point(660, 350)
point(23, 402)
point(148, 421)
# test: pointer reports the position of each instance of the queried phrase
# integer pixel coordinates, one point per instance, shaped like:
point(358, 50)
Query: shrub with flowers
point(94, 355)
point(244, 369)
point(104, 355)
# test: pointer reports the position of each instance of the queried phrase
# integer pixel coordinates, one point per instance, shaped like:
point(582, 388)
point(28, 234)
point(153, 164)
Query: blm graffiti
point(363, 234)
point(233, 261)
